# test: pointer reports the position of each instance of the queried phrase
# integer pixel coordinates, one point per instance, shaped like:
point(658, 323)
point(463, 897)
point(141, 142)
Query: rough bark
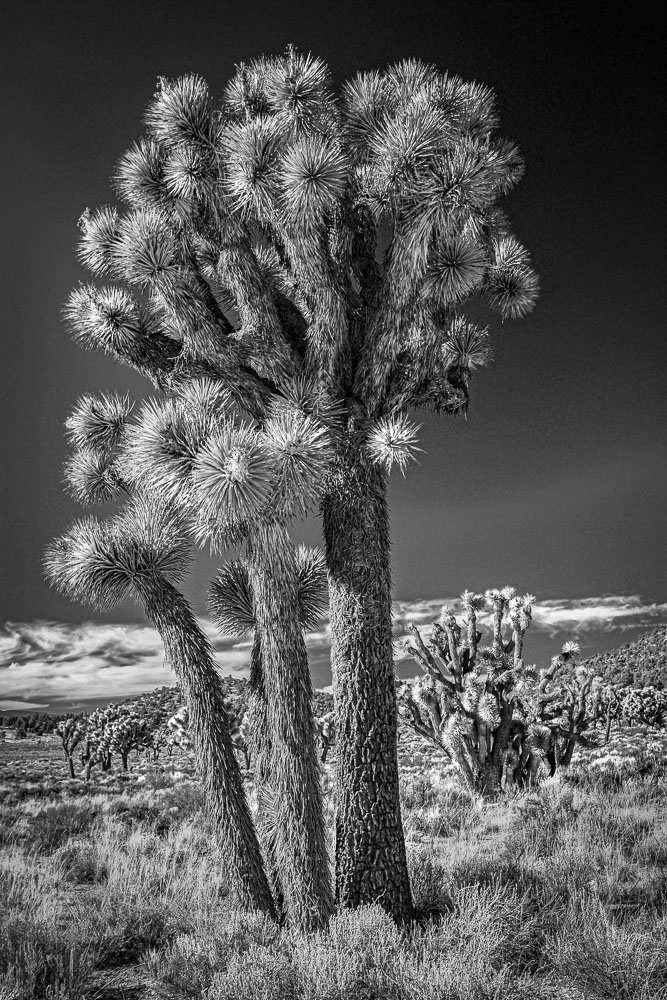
point(294, 787)
point(492, 771)
point(189, 653)
point(260, 746)
point(370, 846)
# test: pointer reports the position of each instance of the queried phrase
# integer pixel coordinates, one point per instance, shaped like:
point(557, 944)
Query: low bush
point(54, 825)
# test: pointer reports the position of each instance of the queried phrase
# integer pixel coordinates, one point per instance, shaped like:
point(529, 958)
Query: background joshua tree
point(503, 723)
point(296, 231)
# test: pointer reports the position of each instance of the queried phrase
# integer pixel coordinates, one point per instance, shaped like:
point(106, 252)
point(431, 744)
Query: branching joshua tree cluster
point(502, 723)
point(116, 729)
point(289, 271)
point(177, 727)
point(630, 706)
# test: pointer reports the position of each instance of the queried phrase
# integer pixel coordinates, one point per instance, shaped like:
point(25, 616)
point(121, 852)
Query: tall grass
point(558, 894)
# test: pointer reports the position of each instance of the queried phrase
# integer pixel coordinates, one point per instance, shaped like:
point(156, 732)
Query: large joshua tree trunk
point(294, 786)
point(189, 653)
point(370, 847)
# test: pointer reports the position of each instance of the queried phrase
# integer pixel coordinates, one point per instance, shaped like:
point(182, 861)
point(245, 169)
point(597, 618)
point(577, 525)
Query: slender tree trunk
point(260, 745)
point(293, 770)
point(71, 766)
point(370, 847)
point(189, 653)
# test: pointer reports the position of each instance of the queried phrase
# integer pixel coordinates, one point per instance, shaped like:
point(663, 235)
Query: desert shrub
point(428, 882)
point(258, 974)
point(188, 965)
point(139, 810)
point(652, 849)
point(606, 960)
point(121, 927)
point(417, 792)
point(77, 862)
point(134, 810)
point(185, 796)
point(541, 818)
point(40, 955)
point(624, 830)
point(54, 825)
point(355, 957)
point(34, 970)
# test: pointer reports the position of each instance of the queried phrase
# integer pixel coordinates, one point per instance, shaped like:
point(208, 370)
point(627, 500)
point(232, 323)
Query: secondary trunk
point(260, 746)
point(189, 653)
point(370, 847)
point(294, 790)
point(491, 772)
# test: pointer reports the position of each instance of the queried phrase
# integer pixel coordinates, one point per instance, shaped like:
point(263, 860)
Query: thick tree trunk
point(491, 774)
point(293, 788)
point(370, 847)
point(189, 653)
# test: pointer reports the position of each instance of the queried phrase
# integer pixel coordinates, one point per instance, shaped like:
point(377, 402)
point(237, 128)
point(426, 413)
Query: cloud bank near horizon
point(581, 617)
point(44, 663)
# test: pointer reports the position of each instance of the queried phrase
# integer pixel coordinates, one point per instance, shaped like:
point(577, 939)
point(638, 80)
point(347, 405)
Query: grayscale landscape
point(333, 617)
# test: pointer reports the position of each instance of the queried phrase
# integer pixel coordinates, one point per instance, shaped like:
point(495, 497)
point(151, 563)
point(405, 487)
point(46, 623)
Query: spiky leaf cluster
point(275, 202)
point(230, 601)
point(102, 563)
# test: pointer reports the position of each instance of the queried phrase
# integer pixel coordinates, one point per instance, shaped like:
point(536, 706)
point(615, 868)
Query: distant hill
point(160, 704)
point(637, 664)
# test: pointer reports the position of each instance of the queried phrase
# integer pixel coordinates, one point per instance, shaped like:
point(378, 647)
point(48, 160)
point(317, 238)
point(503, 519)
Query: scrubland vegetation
point(115, 888)
point(111, 883)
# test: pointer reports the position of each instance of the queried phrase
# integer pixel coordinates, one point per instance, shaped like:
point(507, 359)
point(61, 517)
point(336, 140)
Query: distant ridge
point(636, 664)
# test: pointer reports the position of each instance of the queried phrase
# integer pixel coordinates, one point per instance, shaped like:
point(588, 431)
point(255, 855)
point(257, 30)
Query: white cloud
point(608, 613)
point(13, 706)
point(50, 662)
point(54, 662)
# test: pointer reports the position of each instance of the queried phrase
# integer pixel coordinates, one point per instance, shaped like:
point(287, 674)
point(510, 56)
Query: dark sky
point(557, 482)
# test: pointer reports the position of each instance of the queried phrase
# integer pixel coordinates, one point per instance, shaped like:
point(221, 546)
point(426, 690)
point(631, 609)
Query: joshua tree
point(232, 607)
point(72, 732)
point(333, 237)
point(139, 553)
point(234, 482)
point(242, 483)
point(503, 723)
